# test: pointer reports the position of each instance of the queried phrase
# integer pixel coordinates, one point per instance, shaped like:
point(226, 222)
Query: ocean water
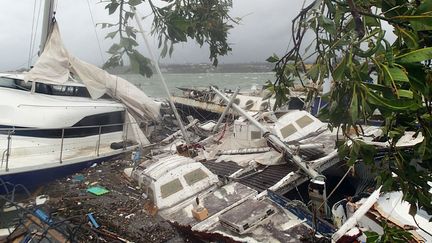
point(153, 86)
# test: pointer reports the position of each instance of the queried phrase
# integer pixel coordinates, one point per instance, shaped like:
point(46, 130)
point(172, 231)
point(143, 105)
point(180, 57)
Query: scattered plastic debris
point(92, 220)
point(78, 178)
point(97, 190)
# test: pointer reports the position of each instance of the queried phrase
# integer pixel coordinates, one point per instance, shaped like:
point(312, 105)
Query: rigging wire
point(33, 40)
point(24, 64)
point(95, 32)
point(31, 34)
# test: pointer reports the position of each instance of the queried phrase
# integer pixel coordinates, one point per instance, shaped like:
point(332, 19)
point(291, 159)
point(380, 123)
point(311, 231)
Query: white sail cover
point(55, 64)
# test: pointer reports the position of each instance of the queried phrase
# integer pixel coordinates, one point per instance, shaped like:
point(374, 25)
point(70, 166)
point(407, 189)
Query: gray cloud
point(264, 30)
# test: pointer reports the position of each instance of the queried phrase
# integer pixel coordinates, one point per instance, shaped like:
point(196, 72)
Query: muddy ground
point(120, 212)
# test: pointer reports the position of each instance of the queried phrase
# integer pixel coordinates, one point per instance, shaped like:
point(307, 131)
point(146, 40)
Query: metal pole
point(226, 109)
point(271, 137)
point(46, 23)
point(156, 64)
point(8, 150)
point(99, 140)
point(61, 146)
point(125, 138)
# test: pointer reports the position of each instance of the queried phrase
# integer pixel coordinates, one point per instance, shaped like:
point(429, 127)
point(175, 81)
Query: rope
point(336, 187)
point(95, 32)
point(35, 25)
point(223, 133)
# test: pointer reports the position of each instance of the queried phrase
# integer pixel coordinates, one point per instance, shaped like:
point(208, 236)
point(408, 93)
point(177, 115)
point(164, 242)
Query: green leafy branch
point(127, 38)
point(205, 21)
point(369, 74)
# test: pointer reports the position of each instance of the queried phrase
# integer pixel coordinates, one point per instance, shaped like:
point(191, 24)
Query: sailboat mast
point(46, 23)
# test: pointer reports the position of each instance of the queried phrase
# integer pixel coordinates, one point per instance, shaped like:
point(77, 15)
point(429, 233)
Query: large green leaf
point(338, 72)
point(418, 22)
point(112, 7)
point(393, 8)
point(424, 7)
point(419, 55)
point(410, 38)
point(354, 107)
point(397, 74)
point(414, 17)
point(405, 93)
point(396, 105)
point(327, 24)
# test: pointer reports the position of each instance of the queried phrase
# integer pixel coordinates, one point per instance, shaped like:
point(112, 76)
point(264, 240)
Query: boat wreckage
point(229, 182)
point(205, 104)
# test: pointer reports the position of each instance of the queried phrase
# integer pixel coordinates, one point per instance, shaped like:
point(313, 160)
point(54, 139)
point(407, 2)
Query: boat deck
point(259, 181)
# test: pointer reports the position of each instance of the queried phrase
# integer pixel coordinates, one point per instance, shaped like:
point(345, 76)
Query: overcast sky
point(264, 30)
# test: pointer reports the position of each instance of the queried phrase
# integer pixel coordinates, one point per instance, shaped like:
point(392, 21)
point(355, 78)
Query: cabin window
point(61, 90)
point(264, 106)
point(288, 130)
point(170, 188)
point(249, 104)
point(255, 134)
point(237, 101)
point(15, 84)
point(195, 176)
point(150, 194)
point(304, 121)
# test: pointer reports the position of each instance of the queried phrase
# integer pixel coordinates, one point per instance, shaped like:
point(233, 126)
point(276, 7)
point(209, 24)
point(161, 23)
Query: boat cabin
point(297, 124)
point(174, 179)
point(70, 88)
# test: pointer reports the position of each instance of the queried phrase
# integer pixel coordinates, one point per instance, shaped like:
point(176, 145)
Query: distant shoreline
point(207, 68)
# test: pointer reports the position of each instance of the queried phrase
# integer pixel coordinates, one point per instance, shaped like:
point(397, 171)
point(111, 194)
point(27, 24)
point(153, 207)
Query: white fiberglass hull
point(34, 160)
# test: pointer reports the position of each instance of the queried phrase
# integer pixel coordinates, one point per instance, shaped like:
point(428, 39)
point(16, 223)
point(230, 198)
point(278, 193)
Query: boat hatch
point(297, 124)
point(178, 183)
point(247, 215)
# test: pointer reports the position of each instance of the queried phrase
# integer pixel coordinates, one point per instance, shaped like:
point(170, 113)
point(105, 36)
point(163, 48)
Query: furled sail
point(55, 65)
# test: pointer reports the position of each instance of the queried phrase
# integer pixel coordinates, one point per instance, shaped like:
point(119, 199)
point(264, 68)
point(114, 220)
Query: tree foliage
point(351, 47)
point(205, 21)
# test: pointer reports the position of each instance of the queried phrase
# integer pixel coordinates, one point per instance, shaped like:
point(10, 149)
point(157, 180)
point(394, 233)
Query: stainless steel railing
point(11, 131)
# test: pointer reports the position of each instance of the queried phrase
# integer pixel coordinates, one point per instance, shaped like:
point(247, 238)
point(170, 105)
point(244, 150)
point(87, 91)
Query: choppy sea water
point(153, 86)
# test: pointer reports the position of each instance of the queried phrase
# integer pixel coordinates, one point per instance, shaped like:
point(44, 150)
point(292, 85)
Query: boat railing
point(12, 131)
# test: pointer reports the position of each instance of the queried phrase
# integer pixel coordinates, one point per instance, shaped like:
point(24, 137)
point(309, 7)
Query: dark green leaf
point(392, 104)
point(134, 2)
point(419, 55)
point(371, 237)
point(111, 34)
point(112, 7)
point(114, 49)
point(354, 107)
point(338, 73)
point(273, 59)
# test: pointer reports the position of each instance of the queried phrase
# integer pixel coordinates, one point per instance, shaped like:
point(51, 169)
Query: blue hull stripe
point(33, 179)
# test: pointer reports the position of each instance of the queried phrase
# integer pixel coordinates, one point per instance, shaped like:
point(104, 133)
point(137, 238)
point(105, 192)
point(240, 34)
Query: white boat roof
point(164, 165)
point(70, 82)
point(296, 124)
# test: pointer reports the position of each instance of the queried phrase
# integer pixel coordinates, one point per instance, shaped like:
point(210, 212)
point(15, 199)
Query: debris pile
point(103, 200)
